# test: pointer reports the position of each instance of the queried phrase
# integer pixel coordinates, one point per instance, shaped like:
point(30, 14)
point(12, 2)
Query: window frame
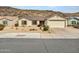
point(5, 22)
point(34, 22)
point(24, 22)
point(73, 22)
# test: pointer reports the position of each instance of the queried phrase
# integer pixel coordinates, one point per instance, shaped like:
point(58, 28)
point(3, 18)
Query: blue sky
point(66, 9)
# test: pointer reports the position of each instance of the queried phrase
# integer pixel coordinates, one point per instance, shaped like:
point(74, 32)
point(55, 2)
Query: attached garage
point(56, 22)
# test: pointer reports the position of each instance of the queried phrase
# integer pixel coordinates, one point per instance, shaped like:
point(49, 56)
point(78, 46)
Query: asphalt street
point(23, 45)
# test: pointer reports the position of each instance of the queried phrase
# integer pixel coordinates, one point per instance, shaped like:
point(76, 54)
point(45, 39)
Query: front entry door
point(42, 23)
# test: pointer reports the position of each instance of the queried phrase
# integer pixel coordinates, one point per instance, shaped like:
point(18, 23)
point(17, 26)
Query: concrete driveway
point(66, 33)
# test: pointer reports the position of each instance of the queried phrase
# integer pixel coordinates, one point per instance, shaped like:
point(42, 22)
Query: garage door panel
point(56, 24)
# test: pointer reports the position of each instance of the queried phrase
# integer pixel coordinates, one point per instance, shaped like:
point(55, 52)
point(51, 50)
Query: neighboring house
point(52, 22)
point(72, 21)
point(8, 20)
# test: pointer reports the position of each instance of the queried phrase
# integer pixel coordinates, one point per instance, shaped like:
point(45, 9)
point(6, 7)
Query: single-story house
point(52, 22)
point(72, 21)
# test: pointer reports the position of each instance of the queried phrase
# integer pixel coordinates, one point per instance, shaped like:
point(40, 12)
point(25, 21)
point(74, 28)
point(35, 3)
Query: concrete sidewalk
point(39, 35)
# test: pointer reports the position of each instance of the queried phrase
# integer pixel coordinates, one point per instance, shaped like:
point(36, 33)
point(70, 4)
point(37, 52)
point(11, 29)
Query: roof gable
point(73, 18)
point(8, 17)
point(56, 18)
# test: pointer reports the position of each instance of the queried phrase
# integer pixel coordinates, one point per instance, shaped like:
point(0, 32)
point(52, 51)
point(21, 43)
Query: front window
point(78, 23)
point(73, 22)
point(5, 22)
point(24, 22)
point(34, 22)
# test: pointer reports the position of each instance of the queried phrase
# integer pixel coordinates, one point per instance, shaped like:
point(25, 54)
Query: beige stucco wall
point(56, 18)
point(66, 23)
point(38, 22)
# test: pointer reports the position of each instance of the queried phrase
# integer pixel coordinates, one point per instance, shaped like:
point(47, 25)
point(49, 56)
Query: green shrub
point(38, 25)
point(2, 27)
point(76, 26)
point(16, 25)
point(45, 28)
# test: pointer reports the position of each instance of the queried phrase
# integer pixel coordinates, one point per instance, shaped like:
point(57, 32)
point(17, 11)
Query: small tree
point(45, 28)
point(2, 27)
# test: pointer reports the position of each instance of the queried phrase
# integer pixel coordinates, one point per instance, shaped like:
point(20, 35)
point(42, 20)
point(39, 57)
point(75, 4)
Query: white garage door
point(56, 24)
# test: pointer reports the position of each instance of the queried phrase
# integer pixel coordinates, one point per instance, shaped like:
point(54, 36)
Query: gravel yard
point(56, 33)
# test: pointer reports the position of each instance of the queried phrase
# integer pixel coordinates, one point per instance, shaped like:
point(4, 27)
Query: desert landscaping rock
point(71, 33)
